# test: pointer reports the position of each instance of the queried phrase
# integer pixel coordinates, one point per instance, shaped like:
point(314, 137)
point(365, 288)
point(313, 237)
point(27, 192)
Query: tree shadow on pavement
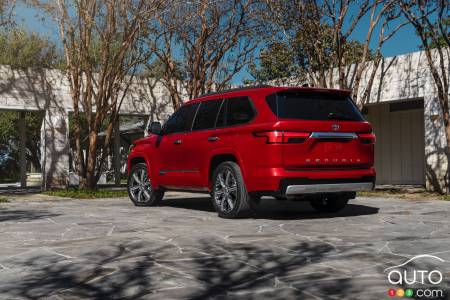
point(24, 215)
point(197, 203)
point(251, 272)
point(214, 269)
point(275, 209)
point(84, 279)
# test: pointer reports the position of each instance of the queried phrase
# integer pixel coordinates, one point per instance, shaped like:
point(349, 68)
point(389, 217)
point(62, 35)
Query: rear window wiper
point(339, 116)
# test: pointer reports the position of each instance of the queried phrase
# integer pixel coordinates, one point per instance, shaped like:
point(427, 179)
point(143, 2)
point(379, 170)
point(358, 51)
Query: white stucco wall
point(408, 77)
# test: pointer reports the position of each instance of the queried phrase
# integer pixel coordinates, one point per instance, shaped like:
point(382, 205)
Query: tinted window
point(221, 117)
point(239, 111)
point(181, 120)
point(313, 106)
point(207, 115)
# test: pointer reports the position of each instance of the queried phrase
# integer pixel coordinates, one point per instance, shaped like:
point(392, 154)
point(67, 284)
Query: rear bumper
point(327, 188)
point(277, 181)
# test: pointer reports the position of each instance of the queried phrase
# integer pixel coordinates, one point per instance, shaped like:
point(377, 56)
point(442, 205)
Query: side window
point(221, 117)
point(181, 120)
point(207, 115)
point(239, 111)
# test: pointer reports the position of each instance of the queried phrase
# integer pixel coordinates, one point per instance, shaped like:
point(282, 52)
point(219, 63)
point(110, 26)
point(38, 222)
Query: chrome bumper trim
point(334, 135)
point(328, 188)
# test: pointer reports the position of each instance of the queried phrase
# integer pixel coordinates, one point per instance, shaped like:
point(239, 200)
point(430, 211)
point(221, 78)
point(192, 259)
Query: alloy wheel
point(140, 186)
point(225, 191)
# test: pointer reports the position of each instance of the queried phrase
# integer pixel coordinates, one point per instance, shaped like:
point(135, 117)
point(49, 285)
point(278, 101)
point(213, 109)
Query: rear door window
point(207, 115)
point(299, 105)
point(221, 117)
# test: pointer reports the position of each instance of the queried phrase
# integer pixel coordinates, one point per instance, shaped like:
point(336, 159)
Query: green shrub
point(87, 194)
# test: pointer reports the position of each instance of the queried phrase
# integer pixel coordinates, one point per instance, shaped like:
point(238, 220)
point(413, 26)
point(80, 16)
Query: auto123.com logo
point(419, 277)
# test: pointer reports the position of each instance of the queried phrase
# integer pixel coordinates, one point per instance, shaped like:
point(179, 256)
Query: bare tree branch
point(102, 47)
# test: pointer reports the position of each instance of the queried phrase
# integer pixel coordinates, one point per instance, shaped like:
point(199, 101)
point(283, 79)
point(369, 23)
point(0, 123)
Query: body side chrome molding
point(162, 172)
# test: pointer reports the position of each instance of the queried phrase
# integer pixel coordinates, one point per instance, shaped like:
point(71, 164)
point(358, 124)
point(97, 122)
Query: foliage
point(4, 200)
point(276, 62)
point(289, 58)
point(9, 143)
point(440, 41)
point(21, 50)
point(205, 42)
point(155, 69)
point(7, 13)
point(87, 193)
point(8, 127)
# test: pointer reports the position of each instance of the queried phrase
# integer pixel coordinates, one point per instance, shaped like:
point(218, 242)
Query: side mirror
point(155, 128)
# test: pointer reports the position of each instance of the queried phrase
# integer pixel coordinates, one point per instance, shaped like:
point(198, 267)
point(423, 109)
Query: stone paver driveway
point(109, 249)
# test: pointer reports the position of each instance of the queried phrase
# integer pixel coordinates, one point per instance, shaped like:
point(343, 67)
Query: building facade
point(403, 108)
point(48, 92)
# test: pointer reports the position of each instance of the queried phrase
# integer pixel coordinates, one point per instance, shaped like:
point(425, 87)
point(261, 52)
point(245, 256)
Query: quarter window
point(207, 115)
point(239, 111)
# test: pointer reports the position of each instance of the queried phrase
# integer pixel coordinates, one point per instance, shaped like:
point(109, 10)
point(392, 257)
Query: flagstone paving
point(109, 249)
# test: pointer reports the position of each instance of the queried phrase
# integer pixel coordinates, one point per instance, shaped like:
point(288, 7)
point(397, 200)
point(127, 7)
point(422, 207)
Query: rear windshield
point(313, 106)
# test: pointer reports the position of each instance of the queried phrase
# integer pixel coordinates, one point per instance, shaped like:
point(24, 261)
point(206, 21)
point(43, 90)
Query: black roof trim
point(238, 89)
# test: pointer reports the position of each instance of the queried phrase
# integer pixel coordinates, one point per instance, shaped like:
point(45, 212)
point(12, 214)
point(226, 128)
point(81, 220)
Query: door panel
point(198, 151)
point(201, 142)
point(171, 158)
point(171, 144)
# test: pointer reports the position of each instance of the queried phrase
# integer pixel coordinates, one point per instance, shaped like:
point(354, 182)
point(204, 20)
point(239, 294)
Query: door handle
point(177, 142)
point(213, 139)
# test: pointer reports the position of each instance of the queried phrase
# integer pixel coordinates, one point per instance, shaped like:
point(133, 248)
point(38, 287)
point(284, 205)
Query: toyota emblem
point(335, 127)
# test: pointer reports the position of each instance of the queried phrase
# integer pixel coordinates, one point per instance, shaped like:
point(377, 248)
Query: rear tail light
point(280, 137)
point(295, 137)
point(367, 138)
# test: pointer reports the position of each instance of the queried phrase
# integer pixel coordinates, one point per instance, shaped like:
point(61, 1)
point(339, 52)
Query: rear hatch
point(321, 130)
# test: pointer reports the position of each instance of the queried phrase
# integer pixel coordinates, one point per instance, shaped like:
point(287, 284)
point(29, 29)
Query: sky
point(404, 41)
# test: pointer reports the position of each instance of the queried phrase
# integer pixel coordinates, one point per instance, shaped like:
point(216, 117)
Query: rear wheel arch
point(217, 159)
point(229, 195)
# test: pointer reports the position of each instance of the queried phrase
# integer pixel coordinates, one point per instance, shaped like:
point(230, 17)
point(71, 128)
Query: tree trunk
point(91, 161)
point(447, 147)
point(174, 95)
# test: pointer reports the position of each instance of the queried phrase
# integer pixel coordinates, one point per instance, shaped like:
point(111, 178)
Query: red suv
point(239, 145)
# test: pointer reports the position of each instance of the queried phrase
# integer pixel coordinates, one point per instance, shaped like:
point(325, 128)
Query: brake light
point(272, 137)
point(280, 137)
point(367, 138)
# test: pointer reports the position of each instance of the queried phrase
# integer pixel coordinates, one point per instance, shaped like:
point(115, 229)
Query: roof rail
point(238, 89)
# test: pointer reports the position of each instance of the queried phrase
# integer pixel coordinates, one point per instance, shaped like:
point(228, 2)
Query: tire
point(255, 199)
point(329, 203)
point(140, 189)
point(230, 197)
